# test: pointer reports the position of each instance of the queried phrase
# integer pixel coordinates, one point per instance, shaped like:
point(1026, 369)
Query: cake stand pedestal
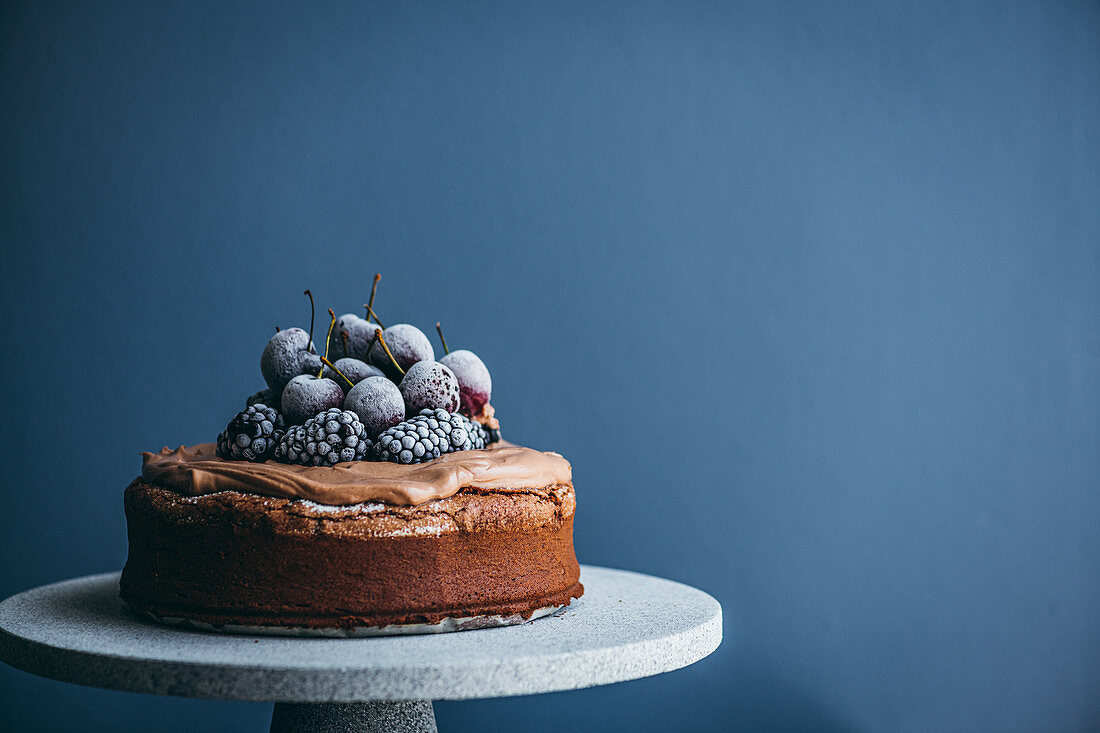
point(625, 627)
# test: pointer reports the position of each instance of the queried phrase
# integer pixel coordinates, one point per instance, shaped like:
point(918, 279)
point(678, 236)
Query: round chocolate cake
point(367, 494)
point(471, 539)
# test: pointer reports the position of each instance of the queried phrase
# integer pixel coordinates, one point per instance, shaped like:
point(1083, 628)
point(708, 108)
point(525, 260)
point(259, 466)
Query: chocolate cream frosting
point(195, 470)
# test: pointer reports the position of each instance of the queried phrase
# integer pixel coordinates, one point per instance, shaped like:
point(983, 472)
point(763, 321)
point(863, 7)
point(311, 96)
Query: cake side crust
point(235, 558)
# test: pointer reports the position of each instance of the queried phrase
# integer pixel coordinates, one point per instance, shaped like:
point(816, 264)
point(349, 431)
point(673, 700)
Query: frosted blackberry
point(251, 435)
point(331, 437)
point(429, 435)
point(479, 436)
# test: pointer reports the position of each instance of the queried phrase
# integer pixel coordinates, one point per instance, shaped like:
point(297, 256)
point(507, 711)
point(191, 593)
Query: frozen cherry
point(406, 343)
point(429, 384)
point(306, 395)
point(378, 403)
point(359, 333)
point(287, 355)
point(474, 383)
point(350, 372)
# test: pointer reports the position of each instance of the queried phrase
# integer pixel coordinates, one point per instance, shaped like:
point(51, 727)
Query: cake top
point(376, 394)
point(197, 470)
point(375, 418)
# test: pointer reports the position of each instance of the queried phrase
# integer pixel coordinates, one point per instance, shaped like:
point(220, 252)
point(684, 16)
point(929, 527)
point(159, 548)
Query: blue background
point(808, 293)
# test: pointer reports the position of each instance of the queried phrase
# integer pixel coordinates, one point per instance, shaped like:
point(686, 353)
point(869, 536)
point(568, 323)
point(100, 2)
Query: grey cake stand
point(625, 627)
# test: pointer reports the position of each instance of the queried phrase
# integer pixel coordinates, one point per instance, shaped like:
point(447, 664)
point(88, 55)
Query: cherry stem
point(372, 314)
point(373, 290)
point(370, 346)
point(387, 348)
point(330, 365)
point(311, 312)
point(344, 338)
point(328, 340)
point(440, 332)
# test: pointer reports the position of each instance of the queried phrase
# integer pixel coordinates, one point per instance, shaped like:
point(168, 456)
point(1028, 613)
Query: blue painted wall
point(808, 293)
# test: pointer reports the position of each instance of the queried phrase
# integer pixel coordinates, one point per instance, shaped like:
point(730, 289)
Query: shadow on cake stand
point(626, 626)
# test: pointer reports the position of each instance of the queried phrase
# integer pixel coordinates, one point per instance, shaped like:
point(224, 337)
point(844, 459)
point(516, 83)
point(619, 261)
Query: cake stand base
point(401, 716)
point(626, 626)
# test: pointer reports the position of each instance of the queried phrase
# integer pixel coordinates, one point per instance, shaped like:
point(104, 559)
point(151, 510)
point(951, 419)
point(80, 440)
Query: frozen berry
point(430, 434)
point(406, 343)
point(306, 395)
point(251, 435)
point(288, 354)
point(359, 334)
point(355, 371)
point(330, 437)
point(378, 403)
point(474, 383)
point(431, 385)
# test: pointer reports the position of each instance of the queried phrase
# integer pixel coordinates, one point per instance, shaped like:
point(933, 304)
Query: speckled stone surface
point(409, 716)
point(626, 626)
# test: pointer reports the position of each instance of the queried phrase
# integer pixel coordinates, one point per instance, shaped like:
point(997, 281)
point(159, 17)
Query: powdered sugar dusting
point(200, 497)
point(436, 524)
point(364, 508)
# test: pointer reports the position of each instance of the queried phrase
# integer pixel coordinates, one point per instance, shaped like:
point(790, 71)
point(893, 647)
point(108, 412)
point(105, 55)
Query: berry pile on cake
point(365, 490)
